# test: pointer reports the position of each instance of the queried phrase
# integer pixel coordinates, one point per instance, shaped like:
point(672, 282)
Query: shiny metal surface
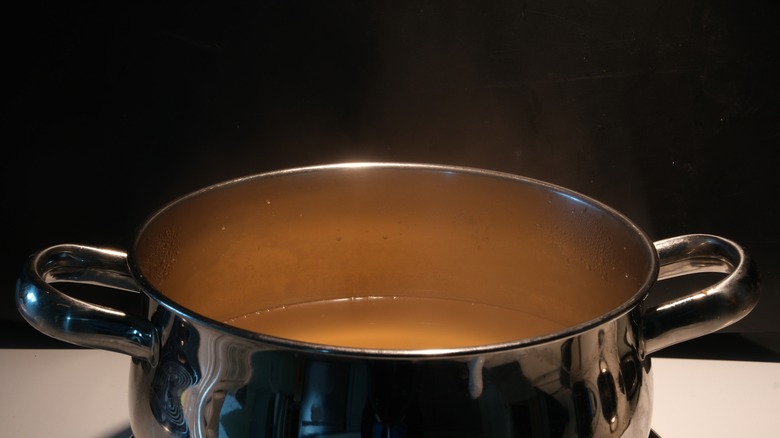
point(193, 376)
point(708, 310)
point(652, 435)
point(63, 317)
point(210, 383)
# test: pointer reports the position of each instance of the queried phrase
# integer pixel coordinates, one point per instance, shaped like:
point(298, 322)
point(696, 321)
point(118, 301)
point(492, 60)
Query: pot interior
point(393, 230)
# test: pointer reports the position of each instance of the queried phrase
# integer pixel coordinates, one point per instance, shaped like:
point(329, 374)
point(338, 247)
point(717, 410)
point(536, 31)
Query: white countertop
point(83, 394)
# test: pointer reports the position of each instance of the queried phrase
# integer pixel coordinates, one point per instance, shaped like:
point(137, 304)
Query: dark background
point(668, 111)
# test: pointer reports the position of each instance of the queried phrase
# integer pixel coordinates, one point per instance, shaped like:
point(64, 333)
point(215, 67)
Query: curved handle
point(707, 310)
point(63, 317)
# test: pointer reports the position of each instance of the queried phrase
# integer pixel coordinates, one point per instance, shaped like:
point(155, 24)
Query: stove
point(78, 393)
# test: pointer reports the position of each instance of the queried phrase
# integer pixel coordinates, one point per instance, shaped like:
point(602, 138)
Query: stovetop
point(82, 393)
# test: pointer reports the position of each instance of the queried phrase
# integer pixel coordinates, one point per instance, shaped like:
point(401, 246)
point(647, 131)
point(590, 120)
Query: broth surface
point(398, 323)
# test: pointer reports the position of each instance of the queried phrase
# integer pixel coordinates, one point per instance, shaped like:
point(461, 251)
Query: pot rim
point(303, 346)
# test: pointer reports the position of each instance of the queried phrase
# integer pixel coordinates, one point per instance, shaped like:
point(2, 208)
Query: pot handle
point(63, 317)
point(710, 309)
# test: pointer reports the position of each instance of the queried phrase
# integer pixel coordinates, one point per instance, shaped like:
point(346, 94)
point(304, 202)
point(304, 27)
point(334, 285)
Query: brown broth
point(398, 323)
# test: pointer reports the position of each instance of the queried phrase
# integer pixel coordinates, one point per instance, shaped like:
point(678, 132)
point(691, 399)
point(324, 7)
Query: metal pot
point(387, 229)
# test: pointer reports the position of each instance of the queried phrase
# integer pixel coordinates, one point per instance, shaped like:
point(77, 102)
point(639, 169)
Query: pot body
point(353, 230)
point(210, 383)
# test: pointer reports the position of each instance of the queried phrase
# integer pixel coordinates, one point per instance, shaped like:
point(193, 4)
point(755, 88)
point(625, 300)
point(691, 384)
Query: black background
point(667, 111)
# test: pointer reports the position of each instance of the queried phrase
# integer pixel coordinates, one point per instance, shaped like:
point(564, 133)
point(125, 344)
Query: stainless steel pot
point(355, 229)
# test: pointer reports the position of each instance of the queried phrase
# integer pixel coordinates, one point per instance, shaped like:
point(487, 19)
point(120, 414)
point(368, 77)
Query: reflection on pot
point(553, 390)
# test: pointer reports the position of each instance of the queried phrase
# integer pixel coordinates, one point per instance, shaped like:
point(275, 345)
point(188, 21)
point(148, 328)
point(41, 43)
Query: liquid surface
point(397, 323)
